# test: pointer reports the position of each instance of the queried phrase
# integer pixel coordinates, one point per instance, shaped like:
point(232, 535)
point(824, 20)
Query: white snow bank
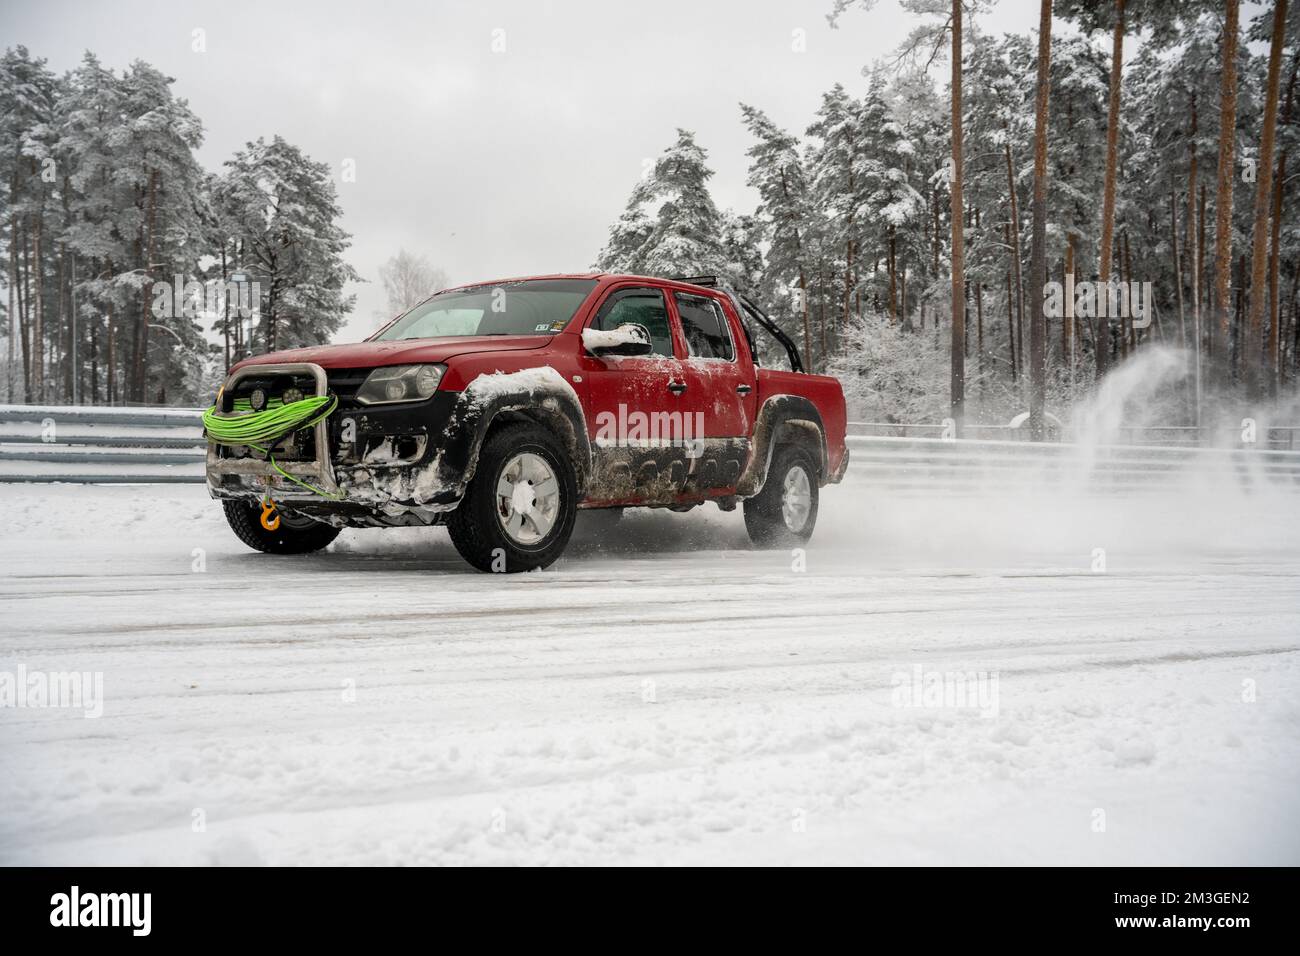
point(660, 695)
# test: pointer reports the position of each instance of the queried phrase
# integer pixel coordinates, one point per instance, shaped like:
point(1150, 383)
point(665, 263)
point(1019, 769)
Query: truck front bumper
point(375, 464)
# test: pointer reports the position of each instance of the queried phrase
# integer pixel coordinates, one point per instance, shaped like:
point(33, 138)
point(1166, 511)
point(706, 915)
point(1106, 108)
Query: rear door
point(720, 390)
point(630, 404)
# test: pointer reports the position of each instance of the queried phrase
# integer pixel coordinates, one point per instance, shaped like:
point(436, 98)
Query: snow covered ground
point(668, 696)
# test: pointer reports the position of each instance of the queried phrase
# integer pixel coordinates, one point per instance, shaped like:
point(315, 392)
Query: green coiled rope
point(268, 425)
point(264, 428)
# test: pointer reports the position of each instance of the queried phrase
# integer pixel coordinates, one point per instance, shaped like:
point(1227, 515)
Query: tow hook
point(270, 520)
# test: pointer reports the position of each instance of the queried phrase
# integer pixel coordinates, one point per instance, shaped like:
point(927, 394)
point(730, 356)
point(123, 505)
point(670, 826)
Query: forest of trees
point(122, 255)
point(914, 223)
point(944, 234)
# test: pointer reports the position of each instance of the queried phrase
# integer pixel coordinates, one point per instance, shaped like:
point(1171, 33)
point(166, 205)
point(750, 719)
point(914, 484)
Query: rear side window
point(707, 333)
point(645, 307)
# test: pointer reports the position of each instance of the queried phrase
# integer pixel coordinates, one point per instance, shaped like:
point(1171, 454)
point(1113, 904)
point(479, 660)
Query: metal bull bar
point(319, 472)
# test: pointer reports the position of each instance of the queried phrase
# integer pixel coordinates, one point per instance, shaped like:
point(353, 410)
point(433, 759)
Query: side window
point(639, 307)
point(707, 333)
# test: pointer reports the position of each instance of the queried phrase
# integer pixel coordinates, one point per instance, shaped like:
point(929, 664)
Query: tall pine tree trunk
point(25, 311)
point(1223, 196)
point(38, 315)
point(807, 318)
point(12, 370)
point(138, 380)
point(934, 233)
point(1011, 331)
point(1253, 343)
point(1112, 171)
point(1195, 265)
point(1038, 236)
point(1178, 268)
point(1275, 251)
point(893, 276)
point(821, 311)
point(848, 284)
point(1295, 319)
point(957, 379)
point(1126, 337)
point(225, 307)
point(65, 328)
point(902, 296)
point(1013, 242)
point(94, 362)
point(110, 386)
point(1068, 347)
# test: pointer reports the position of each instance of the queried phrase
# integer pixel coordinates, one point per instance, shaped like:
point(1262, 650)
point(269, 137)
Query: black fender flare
point(784, 419)
point(551, 404)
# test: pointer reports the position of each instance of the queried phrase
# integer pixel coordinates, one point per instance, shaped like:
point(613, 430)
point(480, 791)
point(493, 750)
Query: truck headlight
point(400, 383)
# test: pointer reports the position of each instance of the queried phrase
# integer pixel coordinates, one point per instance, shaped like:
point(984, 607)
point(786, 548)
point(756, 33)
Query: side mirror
point(626, 340)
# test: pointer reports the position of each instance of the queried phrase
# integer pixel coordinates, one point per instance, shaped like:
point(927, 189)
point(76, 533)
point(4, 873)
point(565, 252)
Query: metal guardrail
point(97, 445)
point(108, 441)
point(101, 415)
point(970, 466)
point(146, 446)
point(1276, 437)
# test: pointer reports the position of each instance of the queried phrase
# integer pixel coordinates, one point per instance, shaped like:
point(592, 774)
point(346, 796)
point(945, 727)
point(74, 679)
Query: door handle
point(676, 387)
point(743, 389)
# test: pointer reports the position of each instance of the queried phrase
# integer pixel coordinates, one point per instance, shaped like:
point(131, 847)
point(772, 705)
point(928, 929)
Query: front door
point(630, 405)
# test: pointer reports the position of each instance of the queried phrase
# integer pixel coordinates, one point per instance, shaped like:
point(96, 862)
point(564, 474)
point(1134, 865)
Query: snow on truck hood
point(399, 351)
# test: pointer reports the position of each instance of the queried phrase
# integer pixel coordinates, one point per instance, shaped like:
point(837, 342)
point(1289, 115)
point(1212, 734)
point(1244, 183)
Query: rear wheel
point(784, 513)
point(295, 535)
point(519, 508)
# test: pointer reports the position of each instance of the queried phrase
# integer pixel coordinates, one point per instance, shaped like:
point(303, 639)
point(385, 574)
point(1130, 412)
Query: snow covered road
point(666, 697)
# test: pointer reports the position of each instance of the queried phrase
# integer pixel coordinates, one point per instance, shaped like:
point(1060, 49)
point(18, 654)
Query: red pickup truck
point(500, 409)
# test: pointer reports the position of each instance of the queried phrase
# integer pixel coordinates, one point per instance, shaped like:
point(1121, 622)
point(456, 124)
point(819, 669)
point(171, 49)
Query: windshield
point(532, 307)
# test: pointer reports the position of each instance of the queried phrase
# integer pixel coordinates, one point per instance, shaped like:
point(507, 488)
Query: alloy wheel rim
point(527, 499)
point(796, 498)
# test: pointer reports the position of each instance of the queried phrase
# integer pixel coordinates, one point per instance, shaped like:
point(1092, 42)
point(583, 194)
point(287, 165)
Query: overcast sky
point(491, 164)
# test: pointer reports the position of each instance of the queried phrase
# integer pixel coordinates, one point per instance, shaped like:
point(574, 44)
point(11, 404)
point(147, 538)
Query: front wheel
point(519, 508)
point(784, 513)
point(295, 535)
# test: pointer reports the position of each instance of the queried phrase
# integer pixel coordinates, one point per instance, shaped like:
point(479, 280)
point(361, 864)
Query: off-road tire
point(474, 526)
point(764, 517)
point(302, 537)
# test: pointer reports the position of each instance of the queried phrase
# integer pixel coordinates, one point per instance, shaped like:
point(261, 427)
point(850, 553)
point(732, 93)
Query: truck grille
point(345, 382)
